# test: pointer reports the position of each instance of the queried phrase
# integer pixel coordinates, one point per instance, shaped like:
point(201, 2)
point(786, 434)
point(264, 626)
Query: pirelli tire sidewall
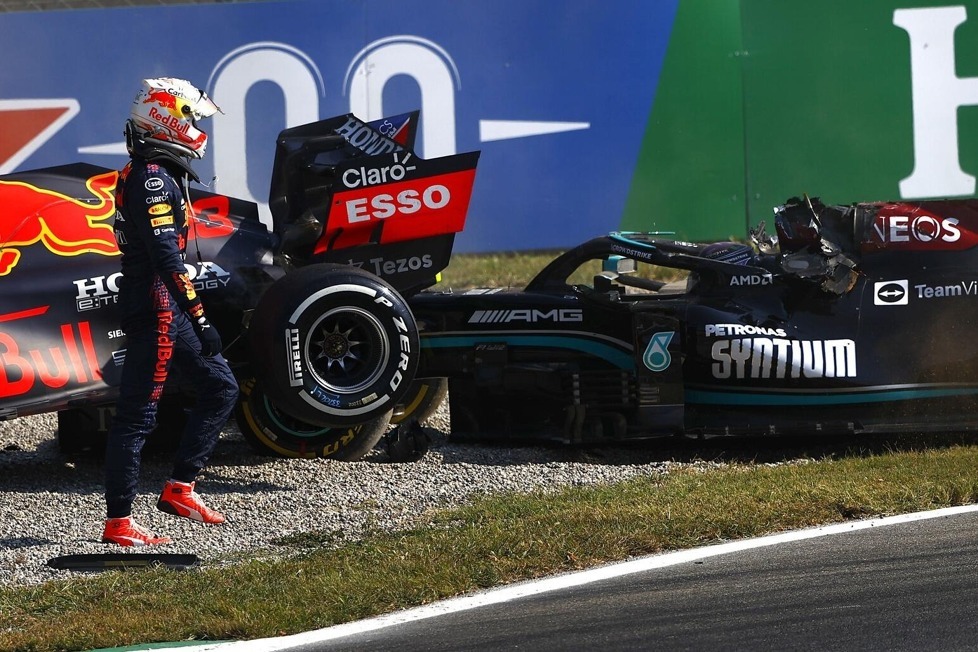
point(333, 345)
point(421, 401)
point(271, 431)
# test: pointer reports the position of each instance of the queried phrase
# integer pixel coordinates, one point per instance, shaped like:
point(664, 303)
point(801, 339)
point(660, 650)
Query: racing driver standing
point(162, 316)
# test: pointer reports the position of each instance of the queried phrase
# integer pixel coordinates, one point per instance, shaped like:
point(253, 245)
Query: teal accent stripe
point(616, 357)
point(849, 398)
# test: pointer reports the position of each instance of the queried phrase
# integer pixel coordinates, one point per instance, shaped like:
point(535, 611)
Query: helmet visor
point(202, 107)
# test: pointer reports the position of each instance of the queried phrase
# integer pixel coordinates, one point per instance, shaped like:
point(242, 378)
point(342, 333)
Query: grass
point(514, 270)
point(501, 270)
point(497, 540)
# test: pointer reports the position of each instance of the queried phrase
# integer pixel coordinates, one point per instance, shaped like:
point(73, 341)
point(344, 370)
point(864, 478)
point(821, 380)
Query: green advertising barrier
point(689, 178)
point(762, 100)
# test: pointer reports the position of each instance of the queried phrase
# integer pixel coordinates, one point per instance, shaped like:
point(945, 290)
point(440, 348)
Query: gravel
point(52, 505)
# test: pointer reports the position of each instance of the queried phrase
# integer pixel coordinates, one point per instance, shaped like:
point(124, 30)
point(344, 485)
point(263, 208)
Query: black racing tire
point(79, 431)
point(421, 401)
point(333, 345)
point(273, 432)
point(85, 429)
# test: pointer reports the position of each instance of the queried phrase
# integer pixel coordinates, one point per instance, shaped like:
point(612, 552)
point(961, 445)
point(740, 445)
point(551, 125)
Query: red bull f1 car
point(313, 312)
point(846, 319)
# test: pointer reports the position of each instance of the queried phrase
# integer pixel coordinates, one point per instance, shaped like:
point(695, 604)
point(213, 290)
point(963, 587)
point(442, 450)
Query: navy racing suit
point(156, 297)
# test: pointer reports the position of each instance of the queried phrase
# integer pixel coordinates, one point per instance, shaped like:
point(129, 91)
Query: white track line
point(563, 581)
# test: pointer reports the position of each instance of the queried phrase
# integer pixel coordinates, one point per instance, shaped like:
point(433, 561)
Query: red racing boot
point(125, 532)
point(179, 499)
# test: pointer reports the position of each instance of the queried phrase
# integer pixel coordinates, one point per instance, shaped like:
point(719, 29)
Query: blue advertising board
point(556, 95)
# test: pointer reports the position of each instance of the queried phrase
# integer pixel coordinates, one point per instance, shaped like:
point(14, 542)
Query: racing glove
point(210, 339)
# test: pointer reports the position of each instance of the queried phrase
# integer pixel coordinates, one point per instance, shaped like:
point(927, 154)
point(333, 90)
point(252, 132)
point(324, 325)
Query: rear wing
point(352, 192)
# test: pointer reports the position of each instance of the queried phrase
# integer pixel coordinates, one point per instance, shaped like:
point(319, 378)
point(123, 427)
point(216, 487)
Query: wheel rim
point(347, 348)
point(290, 425)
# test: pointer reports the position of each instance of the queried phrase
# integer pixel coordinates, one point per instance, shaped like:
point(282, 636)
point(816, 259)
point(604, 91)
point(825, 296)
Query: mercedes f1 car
point(850, 319)
point(314, 312)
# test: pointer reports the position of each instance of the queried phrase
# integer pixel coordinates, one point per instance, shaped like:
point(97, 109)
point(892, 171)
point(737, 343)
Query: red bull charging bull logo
point(163, 99)
point(65, 225)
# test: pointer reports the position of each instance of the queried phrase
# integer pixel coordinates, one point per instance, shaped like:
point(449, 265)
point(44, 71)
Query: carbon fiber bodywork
point(853, 319)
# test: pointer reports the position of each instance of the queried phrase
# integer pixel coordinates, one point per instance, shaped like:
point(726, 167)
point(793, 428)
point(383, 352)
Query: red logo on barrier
point(28, 124)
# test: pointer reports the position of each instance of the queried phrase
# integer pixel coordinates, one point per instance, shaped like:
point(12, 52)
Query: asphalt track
point(906, 582)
